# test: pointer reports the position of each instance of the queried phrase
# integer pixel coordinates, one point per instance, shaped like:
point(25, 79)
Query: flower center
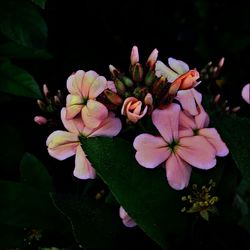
point(84, 100)
point(196, 131)
point(173, 145)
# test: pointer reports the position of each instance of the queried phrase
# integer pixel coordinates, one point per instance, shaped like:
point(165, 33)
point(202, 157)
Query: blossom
point(132, 108)
point(245, 93)
point(63, 144)
point(84, 88)
point(177, 151)
point(196, 125)
point(126, 219)
point(182, 82)
point(40, 120)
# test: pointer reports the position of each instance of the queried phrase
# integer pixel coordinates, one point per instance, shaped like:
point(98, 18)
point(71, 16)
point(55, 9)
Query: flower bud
point(137, 72)
point(45, 90)
point(150, 78)
point(140, 92)
point(159, 85)
point(127, 81)
point(114, 71)
point(41, 105)
point(134, 58)
point(120, 87)
point(152, 59)
point(40, 120)
point(113, 97)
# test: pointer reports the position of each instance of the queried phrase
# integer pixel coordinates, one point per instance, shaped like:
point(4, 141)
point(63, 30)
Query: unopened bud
point(134, 58)
point(114, 71)
point(40, 120)
point(152, 59)
point(159, 85)
point(120, 87)
point(113, 97)
point(150, 78)
point(221, 62)
point(127, 81)
point(217, 98)
point(137, 72)
point(45, 90)
point(41, 105)
point(236, 109)
point(57, 101)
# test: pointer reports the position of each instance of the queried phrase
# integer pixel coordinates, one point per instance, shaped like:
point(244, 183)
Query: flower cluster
point(165, 94)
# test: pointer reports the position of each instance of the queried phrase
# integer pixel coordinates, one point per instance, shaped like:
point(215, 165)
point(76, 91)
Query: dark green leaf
point(35, 174)
point(12, 149)
point(13, 50)
point(40, 3)
point(11, 237)
point(23, 206)
point(144, 193)
point(94, 224)
point(235, 131)
point(21, 22)
point(16, 81)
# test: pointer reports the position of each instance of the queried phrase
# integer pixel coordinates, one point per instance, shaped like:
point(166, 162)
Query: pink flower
point(63, 144)
point(183, 82)
point(245, 93)
point(132, 108)
point(177, 151)
point(126, 219)
point(84, 88)
point(196, 125)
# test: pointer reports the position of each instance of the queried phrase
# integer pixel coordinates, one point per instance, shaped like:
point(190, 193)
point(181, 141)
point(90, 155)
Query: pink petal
point(97, 87)
point(178, 172)
point(197, 151)
point(111, 86)
point(83, 169)
point(88, 80)
point(186, 121)
point(109, 127)
point(74, 82)
point(151, 150)
point(186, 132)
point(73, 125)
point(162, 70)
point(178, 66)
point(167, 121)
point(73, 106)
point(189, 100)
point(202, 119)
point(62, 144)
point(245, 93)
point(126, 219)
point(215, 140)
point(94, 113)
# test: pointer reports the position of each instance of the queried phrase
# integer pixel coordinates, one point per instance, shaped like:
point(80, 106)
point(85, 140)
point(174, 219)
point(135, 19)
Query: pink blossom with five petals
point(178, 152)
point(63, 144)
point(84, 88)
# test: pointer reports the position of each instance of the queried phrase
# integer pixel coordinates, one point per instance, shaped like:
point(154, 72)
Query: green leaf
point(35, 174)
point(144, 193)
point(11, 237)
point(235, 131)
point(12, 149)
point(13, 50)
point(21, 22)
point(40, 3)
point(23, 206)
point(16, 81)
point(95, 224)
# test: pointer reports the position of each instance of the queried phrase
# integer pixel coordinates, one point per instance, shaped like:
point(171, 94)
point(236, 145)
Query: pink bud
point(221, 62)
point(40, 120)
point(134, 58)
point(114, 71)
point(217, 98)
point(45, 90)
point(236, 109)
point(152, 59)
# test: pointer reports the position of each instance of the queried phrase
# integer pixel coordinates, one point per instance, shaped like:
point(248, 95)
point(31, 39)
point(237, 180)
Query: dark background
point(90, 35)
